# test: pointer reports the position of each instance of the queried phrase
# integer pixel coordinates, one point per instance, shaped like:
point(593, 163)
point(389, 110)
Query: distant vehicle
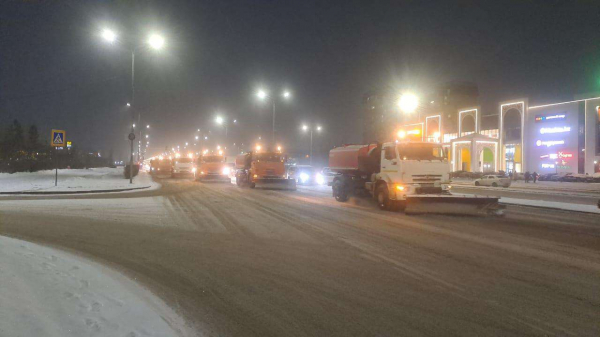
point(328, 176)
point(493, 180)
point(212, 167)
point(262, 169)
point(160, 166)
point(584, 178)
point(304, 174)
point(183, 166)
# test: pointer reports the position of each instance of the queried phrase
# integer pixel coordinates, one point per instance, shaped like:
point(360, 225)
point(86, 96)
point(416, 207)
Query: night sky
point(56, 72)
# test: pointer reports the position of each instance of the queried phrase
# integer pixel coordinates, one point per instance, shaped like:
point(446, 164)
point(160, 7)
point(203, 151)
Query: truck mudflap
point(275, 183)
point(214, 178)
point(453, 205)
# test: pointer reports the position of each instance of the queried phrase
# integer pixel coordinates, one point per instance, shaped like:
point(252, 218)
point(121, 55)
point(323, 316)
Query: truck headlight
point(194, 169)
point(320, 179)
point(226, 171)
point(304, 177)
point(400, 188)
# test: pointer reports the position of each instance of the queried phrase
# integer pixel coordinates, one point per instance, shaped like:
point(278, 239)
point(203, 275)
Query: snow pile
point(72, 180)
point(47, 292)
point(552, 204)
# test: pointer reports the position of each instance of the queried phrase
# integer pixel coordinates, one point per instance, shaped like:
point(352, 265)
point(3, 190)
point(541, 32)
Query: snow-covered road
point(238, 261)
point(51, 293)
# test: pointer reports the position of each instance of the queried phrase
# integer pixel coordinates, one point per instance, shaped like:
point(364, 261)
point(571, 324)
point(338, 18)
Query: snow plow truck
point(409, 176)
point(212, 167)
point(263, 169)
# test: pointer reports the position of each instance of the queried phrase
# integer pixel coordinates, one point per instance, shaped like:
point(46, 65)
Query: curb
point(72, 192)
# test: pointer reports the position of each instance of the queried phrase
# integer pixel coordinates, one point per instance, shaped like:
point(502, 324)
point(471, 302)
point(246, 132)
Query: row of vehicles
point(409, 176)
point(571, 177)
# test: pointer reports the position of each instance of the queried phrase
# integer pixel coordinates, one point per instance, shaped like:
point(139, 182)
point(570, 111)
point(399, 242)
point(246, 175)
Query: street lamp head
point(108, 35)
point(305, 127)
point(286, 94)
point(205, 137)
point(219, 120)
point(156, 41)
point(147, 126)
point(128, 104)
point(134, 125)
point(147, 136)
point(408, 103)
point(235, 120)
point(261, 94)
point(196, 137)
point(319, 128)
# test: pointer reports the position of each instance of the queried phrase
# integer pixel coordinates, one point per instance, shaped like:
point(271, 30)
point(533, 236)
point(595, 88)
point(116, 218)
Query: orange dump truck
point(262, 169)
point(213, 167)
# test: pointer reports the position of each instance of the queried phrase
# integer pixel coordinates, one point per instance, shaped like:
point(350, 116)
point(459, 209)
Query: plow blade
point(217, 178)
point(453, 205)
point(276, 184)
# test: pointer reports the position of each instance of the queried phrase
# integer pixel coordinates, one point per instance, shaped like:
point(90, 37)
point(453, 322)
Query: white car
point(183, 166)
point(493, 180)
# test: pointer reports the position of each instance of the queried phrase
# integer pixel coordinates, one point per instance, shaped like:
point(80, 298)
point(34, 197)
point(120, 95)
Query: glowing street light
point(306, 128)
point(156, 41)
point(263, 95)
point(147, 126)
point(219, 120)
point(408, 103)
point(108, 35)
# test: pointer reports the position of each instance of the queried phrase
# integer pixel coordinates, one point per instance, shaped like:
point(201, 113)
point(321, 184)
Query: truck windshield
point(269, 157)
point(212, 159)
point(421, 152)
point(183, 160)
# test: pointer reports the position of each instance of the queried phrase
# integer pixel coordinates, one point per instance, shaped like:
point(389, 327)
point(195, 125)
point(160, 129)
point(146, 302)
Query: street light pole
point(273, 99)
point(311, 143)
point(132, 114)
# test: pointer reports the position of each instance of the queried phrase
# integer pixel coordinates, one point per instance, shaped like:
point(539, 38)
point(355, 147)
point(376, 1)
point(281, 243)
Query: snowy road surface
point(249, 262)
point(47, 292)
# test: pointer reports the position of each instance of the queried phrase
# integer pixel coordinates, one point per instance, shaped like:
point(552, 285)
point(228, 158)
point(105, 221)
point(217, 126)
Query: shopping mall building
point(561, 137)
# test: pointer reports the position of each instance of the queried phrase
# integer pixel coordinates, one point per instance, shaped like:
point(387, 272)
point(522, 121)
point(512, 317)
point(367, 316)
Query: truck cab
point(212, 167)
point(413, 168)
point(265, 169)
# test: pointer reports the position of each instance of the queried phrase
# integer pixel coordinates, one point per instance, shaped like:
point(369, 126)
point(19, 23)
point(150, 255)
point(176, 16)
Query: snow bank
point(47, 292)
point(72, 180)
point(551, 204)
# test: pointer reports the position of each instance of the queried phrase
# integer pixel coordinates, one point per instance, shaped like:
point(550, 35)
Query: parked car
point(493, 180)
point(596, 177)
point(303, 174)
point(546, 177)
point(584, 178)
point(327, 176)
point(568, 177)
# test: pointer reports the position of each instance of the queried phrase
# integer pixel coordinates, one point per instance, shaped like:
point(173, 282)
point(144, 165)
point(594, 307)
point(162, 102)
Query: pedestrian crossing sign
point(58, 138)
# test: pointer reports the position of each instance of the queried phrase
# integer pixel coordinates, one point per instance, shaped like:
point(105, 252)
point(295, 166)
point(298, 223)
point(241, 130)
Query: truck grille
point(428, 190)
point(270, 172)
point(426, 178)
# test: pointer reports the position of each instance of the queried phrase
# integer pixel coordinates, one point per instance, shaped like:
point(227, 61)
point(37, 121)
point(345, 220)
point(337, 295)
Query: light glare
point(156, 41)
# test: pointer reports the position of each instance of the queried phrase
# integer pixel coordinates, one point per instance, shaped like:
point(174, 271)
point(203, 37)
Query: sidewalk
point(77, 181)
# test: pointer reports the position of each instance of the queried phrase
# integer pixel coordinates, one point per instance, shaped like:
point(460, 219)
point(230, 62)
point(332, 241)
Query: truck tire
point(339, 191)
point(494, 185)
point(252, 185)
point(477, 183)
point(383, 198)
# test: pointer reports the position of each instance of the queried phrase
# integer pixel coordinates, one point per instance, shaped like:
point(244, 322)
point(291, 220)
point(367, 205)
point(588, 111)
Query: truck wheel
point(339, 191)
point(477, 183)
point(383, 198)
point(252, 185)
point(494, 185)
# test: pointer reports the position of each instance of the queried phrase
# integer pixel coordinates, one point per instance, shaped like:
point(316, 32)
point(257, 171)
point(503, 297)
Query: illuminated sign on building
point(549, 143)
point(549, 118)
point(547, 165)
point(555, 129)
point(557, 155)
